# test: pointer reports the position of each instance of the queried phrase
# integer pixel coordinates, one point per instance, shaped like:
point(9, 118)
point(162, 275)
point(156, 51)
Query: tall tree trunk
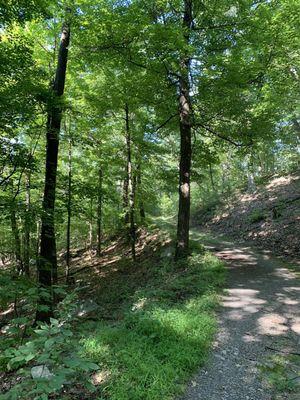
point(99, 213)
point(211, 177)
point(38, 234)
point(296, 125)
point(224, 178)
point(185, 126)
point(139, 188)
point(251, 184)
point(47, 263)
point(132, 232)
point(16, 236)
point(250, 175)
point(90, 239)
point(125, 193)
point(27, 225)
point(69, 206)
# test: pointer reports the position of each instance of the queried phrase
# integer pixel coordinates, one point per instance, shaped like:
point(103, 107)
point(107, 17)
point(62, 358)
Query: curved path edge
point(259, 313)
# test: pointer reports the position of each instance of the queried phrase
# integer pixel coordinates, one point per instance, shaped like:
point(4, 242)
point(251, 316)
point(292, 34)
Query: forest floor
point(268, 218)
point(256, 352)
point(147, 324)
point(154, 319)
point(150, 324)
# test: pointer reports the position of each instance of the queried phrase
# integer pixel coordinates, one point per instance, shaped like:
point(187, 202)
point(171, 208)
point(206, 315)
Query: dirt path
point(260, 309)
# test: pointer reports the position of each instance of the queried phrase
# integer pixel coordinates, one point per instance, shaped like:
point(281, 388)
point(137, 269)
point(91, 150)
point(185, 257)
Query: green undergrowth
point(165, 332)
point(282, 372)
point(257, 216)
point(153, 327)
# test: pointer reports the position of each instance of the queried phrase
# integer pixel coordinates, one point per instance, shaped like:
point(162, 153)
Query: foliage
point(165, 334)
point(257, 216)
point(282, 372)
point(244, 95)
point(55, 347)
point(127, 55)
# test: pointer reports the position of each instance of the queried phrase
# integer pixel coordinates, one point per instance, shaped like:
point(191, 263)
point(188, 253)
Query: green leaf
point(49, 343)
point(29, 357)
point(72, 362)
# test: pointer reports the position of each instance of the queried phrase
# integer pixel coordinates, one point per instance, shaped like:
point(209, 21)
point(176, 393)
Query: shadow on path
point(260, 313)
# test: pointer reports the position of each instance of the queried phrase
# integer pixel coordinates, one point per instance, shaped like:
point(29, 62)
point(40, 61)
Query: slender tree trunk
point(125, 194)
point(273, 163)
point(140, 197)
point(296, 125)
point(250, 176)
point(134, 193)
point(90, 241)
point(224, 178)
point(251, 183)
point(47, 263)
point(261, 164)
point(142, 212)
point(185, 126)
point(99, 213)
point(211, 178)
point(16, 236)
point(27, 225)
point(69, 205)
point(38, 233)
point(132, 232)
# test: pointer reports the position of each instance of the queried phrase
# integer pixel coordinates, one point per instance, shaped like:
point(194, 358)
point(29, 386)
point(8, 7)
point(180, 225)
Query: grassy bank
point(149, 327)
point(164, 335)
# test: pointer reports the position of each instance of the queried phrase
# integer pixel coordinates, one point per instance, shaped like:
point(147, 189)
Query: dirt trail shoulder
point(268, 218)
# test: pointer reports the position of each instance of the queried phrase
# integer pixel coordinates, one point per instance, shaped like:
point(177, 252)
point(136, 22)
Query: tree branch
point(221, 26)
point(165, 123)
point(223, 137)
point(2, 182)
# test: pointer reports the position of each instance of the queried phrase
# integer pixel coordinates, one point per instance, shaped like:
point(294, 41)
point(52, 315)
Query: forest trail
point(260, 314)
point(268, 217)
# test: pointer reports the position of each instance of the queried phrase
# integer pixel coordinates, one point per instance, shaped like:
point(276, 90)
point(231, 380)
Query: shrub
point(256, 216)
point(54, 347)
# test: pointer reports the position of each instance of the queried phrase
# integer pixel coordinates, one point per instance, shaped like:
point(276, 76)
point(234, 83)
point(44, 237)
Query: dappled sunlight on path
point(260, 314)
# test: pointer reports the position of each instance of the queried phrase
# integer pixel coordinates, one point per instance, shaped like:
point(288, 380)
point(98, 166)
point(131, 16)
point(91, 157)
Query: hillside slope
point(269, 217)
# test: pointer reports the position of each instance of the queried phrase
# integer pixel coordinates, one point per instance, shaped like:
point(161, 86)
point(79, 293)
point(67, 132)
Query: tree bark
point(185, 126)
point(140, 192)
point(38, 232)
point(99, 213)
point(90, 223)
point(125, 194)
point(47, 263)
point(250, 176)
point(211, 178)
point(69, 207)
point(16, 236)
point(132, 232)
point(251, 187)
point(27, 225)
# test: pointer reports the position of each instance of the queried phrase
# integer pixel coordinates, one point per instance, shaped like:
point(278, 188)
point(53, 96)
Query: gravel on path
point(260, 308)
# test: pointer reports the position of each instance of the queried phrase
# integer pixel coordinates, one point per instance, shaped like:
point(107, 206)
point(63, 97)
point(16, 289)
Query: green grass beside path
point(165, 333)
